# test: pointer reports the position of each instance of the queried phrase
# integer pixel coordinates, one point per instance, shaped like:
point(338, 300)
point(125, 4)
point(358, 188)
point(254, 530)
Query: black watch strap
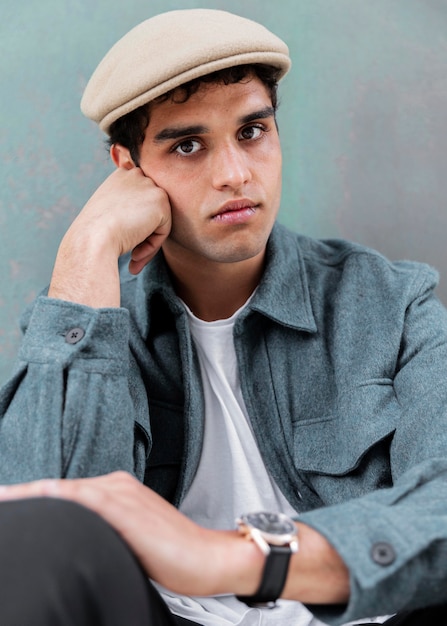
point(273, 578)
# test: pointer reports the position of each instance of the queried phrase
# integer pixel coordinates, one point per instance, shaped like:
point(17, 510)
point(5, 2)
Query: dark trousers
point(62, 565)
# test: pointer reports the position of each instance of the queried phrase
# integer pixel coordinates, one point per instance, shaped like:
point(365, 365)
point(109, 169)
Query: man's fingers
point(145, 252)
point(46, 487)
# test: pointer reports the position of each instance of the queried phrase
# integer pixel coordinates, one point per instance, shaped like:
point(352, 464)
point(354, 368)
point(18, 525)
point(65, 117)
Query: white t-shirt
point(231, 479)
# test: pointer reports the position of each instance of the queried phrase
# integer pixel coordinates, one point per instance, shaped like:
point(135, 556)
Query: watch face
point(270, 523)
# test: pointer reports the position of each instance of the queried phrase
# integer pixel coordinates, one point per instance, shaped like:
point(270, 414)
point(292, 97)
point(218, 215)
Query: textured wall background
point(363, 122)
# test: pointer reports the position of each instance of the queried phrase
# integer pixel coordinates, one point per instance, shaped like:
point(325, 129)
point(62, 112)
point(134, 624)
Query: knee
point(66, 561)
point(55, 534)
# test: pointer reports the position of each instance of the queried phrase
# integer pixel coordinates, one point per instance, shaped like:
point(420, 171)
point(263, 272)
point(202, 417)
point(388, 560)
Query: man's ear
point(121, 156)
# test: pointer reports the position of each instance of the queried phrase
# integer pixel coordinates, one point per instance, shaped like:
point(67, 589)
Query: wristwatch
point(276, 536)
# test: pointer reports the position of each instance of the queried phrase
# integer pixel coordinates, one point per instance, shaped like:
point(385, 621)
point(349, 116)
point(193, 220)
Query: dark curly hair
point(129, 130)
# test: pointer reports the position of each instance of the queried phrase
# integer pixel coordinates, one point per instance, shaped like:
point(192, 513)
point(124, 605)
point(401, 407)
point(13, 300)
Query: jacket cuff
point(65, 331)
point(375, 552)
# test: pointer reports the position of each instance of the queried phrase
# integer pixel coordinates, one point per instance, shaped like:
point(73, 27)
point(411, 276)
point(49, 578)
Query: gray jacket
point(343, 366)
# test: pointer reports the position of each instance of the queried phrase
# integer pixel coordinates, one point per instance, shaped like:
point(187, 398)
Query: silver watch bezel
point(253, 525)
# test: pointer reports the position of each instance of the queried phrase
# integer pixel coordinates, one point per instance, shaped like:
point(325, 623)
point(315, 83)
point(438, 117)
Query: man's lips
point(234, 206)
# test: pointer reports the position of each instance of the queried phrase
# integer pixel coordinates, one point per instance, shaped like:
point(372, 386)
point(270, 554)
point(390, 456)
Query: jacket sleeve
point(72, 408)
point(394, 540)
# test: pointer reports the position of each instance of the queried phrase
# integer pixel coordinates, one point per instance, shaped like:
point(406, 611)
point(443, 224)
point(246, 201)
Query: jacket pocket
point(335, 444)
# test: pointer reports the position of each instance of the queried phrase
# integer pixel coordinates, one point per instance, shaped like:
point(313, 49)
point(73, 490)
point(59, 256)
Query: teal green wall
point(363, 121)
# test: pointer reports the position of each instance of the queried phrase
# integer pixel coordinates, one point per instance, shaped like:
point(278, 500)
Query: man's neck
point(216, 290)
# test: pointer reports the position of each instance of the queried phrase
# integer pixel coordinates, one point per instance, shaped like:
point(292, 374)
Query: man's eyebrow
point(262, 114)
point(176, 132)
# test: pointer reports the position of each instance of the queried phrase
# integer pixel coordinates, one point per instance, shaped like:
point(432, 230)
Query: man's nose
point(230, 167)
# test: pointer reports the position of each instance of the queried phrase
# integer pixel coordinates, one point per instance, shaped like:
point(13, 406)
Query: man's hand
point(128, 212)
point(187, 558)
point(173, 550)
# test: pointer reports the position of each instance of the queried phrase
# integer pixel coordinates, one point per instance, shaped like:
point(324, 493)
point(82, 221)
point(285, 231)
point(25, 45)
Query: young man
point(237, 370)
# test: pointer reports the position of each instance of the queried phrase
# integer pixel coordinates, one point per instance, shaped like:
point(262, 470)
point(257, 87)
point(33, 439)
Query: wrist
point(317, 573)
point(86, 270)
point(275, 535)
point(239, 564)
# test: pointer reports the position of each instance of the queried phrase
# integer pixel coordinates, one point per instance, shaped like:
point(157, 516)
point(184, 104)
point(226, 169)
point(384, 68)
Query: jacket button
point(74, 335)
point(383, 553)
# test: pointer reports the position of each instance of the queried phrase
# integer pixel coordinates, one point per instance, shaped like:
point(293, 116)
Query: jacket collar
point(282, 295)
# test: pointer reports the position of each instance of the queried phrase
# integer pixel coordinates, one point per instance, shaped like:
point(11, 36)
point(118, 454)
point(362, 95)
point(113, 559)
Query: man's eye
point(189, 146)
point(251, 132)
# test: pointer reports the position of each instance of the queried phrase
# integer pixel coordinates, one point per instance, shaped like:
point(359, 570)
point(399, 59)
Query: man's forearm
point(192, 560)
point(127, 213)
point(85, 272)
point(317, 574)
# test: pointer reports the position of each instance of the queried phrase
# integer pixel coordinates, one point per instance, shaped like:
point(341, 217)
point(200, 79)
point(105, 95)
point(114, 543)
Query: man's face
point(218, 157)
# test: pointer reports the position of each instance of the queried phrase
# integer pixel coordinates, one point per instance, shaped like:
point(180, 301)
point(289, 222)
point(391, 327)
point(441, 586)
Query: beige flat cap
point(171, 49)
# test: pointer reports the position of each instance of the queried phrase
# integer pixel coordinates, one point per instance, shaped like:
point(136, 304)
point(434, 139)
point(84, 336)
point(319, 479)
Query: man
point(236, 369)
